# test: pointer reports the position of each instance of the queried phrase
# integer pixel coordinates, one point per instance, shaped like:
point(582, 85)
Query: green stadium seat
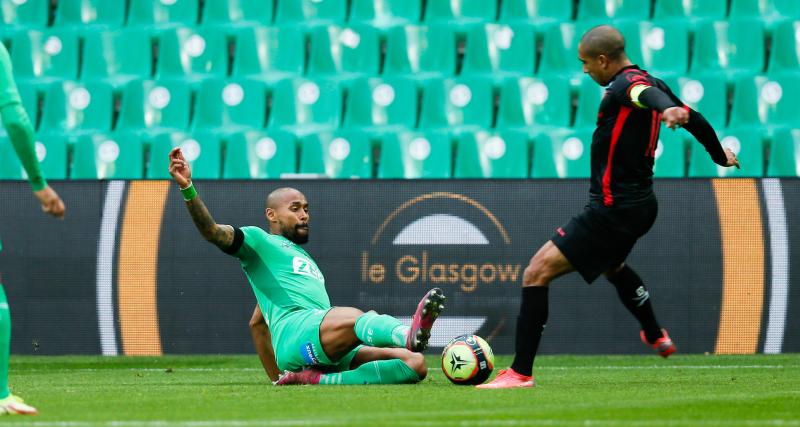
point(343, 53)
point(785, 55)
point(336, 154)
point(414, 155)
point(52, 154)
point(670, 161)
point(560, 51)
point(662, 48)
point(734, 47)
point(90, 15)
point(562, 154)
point(539, 12)
point(236, 13)
point(260, 155)
point(459, 105)
point(421, 52)
point(269, 54)
point(769, 11)
point(765, 101)
point(73, 107)
point(784, 154)
point(304, 106)
point(157, 16)
point(23, 16)
point(602, 11)
point(691, 10)
point(707, 94)
point(192, 54)
point(201, 149)
point(748, 146)
point(492, 155)
point(226, 106)
point(311, 13)
point(152, 107)
point(460, 14)
point(383, 14)
point(45, 56)
point(379, 105)
point(589, 96)
point(500, 51)
point(531, 103)
point(112, 156)
point(117, 57)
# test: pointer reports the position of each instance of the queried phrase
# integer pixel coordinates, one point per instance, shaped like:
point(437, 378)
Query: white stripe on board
point(449, 327)
point(105, 267)
point(779, 255)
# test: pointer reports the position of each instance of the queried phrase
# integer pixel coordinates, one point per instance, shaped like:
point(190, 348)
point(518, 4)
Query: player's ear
point(270, 214)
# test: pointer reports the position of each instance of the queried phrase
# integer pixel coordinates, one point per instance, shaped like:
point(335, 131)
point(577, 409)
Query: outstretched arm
point(699, 127)
point(219, 234)
point(262, 340)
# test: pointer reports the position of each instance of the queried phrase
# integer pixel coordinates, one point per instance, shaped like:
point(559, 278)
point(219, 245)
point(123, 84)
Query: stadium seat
point(231, 14)
point(747, 144)
point(499, 51)
point(539, 12)
point(87, 16)
point(269, 54)
point(784, 154)
point(421, 52)
point(734, 47)
point(460, 14)
point(192, 54)
point(383, 14)
point(563, 154)
point(661, 48)
point(492, 155)
point(457, 105)
point(112, 156)
point(45, 56)
point(260, 155)
point(73, 107)
point(311, 13)
point(691, 10)
point(560, 51)
point(304, 106)
point(785, 54)
point(602, 11)
point(336, 154)
point(117, 57)
point(157, 16)
point(769, 11)
point(764, 101)
point(52, 154)
point(226, 106)
point(379, 105)
point(589, 96)
point(531, 103)
point(18, 16)
point(414, 155)
point(670, 161)
point(201, 149)
point(707, 94)
point(151, 107)
point(343, 53)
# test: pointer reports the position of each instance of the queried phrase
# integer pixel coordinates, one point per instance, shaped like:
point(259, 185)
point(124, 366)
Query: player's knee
point(416, 361)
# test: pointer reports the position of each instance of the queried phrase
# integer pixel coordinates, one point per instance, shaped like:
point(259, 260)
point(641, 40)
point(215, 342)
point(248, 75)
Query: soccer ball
point(467, 360)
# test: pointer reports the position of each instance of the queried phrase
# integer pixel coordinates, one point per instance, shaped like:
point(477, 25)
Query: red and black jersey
point(625, 141)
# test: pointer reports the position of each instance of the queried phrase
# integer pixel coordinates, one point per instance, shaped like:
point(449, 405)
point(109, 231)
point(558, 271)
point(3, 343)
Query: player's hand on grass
point(51, 202)
point(675, 117)
point(179, 168)
point(732, 160)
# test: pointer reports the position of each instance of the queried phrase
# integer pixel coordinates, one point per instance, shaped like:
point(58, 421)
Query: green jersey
point(283, 276)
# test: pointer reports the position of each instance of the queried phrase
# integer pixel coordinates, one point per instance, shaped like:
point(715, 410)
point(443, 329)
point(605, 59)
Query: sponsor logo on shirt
point(308, 353)
point(305, 267)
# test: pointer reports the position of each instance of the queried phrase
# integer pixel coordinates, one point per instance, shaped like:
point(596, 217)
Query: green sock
point(393, 371)
point(5, 343)
point(380, 330)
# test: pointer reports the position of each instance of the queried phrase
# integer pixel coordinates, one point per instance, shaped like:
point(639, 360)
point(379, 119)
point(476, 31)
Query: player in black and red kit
point(622, 206)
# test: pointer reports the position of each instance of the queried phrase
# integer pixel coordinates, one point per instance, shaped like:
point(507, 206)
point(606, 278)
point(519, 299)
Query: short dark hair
point(603, 40)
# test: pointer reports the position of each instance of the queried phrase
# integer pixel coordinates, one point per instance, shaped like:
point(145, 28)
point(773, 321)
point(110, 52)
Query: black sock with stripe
point(634, 296)
point(530, 325)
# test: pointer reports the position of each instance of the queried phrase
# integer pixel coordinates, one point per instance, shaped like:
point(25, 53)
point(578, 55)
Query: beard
point(297, 234)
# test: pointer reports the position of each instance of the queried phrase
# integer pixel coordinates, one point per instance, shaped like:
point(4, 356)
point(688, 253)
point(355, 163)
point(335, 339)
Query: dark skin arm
point(262, 340)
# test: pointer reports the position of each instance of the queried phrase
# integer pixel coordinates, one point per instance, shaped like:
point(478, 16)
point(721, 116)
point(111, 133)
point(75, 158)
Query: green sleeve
point(17, 123)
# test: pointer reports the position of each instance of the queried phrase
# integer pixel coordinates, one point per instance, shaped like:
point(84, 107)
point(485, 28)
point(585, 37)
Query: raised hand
point(179, 168)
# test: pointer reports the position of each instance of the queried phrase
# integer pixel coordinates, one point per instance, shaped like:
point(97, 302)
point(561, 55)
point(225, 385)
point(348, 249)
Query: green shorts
point(297, 344)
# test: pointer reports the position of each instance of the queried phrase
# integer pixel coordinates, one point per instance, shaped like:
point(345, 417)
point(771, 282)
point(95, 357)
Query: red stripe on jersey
point(654, 128)
point(608, 198)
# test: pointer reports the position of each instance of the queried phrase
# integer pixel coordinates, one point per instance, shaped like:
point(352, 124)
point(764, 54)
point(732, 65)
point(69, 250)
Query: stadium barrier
point(127, 273)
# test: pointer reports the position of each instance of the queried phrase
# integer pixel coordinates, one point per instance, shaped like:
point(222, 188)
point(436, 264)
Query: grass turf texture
point(199, 391)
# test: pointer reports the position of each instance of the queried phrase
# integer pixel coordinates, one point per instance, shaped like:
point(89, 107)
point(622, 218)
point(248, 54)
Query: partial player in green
point(314, 342)
point(20, 132)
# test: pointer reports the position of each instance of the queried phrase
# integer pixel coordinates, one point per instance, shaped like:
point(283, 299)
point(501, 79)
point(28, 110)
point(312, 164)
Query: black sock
point(530, 325)
point(636, 299)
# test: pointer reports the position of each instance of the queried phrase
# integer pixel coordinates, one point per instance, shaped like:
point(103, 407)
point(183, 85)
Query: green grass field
point(200, 391)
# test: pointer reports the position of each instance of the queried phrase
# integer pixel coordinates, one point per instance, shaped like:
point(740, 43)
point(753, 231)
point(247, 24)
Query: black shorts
point(600, 238)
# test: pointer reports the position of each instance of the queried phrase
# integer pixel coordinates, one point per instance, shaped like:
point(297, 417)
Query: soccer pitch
point(200, 391)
